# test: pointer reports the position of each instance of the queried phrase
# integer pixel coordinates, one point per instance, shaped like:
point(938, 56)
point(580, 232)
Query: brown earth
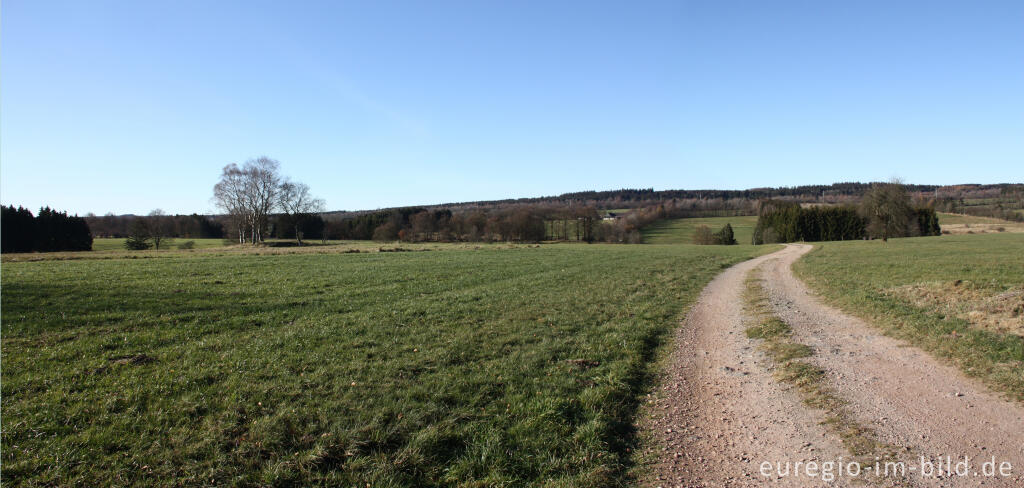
point(720, 414)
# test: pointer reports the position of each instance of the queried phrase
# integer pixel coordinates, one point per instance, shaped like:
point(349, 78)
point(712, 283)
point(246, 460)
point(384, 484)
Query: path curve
point(721, 413)
point(908, 397)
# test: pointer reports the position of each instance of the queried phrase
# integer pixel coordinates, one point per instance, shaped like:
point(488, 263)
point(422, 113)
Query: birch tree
point(296, 202)
point(229, 196)
point(263, 182)
point(248, 195)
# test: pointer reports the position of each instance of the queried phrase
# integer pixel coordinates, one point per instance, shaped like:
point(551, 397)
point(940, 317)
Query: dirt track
point(722, 414)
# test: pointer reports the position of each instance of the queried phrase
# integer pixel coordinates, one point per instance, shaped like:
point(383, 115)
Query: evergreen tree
point(725, 236)
point(49, 231)
point(18, 230)
point(139, 237)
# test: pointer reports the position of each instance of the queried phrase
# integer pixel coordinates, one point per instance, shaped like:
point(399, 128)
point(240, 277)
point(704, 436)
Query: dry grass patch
point(960, 224)
point(993, 308)
point(860, 276)
point(982, 228)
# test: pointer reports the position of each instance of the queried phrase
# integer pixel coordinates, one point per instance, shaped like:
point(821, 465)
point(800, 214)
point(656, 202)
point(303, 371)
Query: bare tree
point(263, 182)
point(248, 195)
point(158, 224)
point(229, 196)
point(297, 203)
point(886, 206)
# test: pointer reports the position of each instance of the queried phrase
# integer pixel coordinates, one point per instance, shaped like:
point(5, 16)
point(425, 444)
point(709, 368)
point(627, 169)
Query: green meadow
point(117, 243)
point(680, 231)
point(959, 219)
point(458, 366)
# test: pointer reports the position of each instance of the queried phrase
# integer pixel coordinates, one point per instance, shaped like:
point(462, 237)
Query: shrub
point(386, 232)
point(702, 235)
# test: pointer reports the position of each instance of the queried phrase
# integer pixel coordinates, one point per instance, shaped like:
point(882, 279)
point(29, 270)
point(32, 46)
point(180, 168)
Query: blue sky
point(130, 106)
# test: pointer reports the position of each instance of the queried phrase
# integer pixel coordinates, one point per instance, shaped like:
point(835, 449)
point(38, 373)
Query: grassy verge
point(789, 356)
point(863, 278)
point(489, 367)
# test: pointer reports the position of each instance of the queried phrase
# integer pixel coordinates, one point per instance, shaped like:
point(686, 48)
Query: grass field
point(970, 224)
point(960, 297)
point(960, 219)
point(117, 244)
point(331, 247)
point(680, 231)
point(489, 367)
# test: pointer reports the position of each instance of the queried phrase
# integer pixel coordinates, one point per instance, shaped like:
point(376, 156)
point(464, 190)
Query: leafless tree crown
point(248, 195)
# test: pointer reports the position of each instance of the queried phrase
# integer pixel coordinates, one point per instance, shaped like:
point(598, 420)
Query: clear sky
point(134, 105)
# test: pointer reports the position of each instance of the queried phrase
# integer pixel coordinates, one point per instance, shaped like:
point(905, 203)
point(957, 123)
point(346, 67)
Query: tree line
point(192, 226)
point(48, 231)
point(885, 211)
point(515, 223)
point(523, 223)
point(843, 192)
point(782, 221)
point(258, 202)
point(197, 226)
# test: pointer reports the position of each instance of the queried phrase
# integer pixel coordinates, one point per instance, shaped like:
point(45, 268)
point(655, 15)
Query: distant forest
point(1001, 200)
point(834, 193)
point(591, 216)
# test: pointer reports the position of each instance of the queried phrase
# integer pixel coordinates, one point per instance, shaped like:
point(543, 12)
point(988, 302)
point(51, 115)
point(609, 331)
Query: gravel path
point(721, 414)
